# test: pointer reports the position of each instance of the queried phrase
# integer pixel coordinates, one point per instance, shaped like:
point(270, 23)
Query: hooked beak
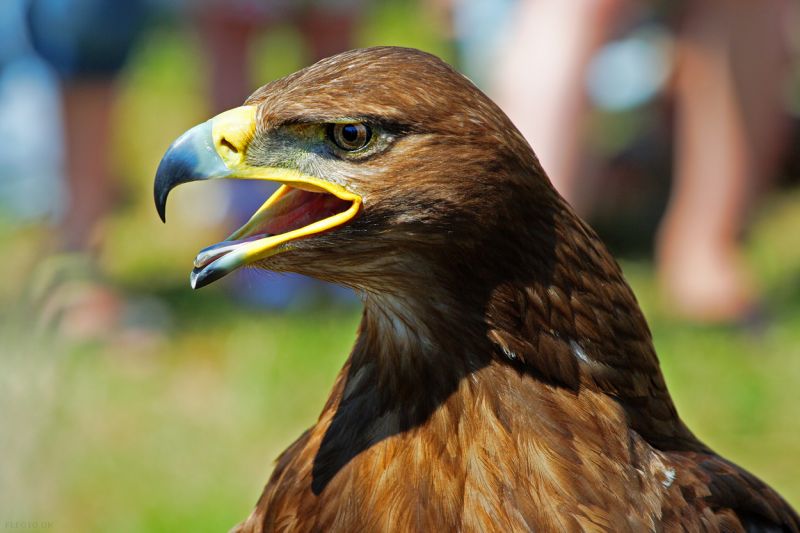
point(303, 206)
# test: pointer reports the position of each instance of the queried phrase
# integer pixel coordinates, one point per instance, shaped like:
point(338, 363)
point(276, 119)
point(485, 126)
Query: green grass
point(176, 437)
point(179, 434)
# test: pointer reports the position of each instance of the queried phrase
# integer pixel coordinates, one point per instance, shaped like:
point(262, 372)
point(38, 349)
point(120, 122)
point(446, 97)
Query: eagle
point(503, 377)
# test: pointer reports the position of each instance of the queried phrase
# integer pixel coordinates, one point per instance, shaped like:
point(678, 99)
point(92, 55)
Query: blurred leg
point(76, 302)
point(539, 79)
point(328, 32)
point(761, 70)
point(226, 36)
point(87, 134)
point(87, 42)
point(728, 117)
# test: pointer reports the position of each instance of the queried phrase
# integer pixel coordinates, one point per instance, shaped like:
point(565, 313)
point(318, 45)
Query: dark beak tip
point(190, 157)
point(176, 167)
point(161, 205)
point(162, 214)
point(165, 181)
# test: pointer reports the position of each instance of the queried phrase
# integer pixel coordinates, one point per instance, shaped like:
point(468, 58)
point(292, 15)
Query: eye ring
point(351, 136)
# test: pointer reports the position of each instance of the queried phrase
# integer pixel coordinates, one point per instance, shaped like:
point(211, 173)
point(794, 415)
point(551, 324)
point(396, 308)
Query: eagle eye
point(350, 137)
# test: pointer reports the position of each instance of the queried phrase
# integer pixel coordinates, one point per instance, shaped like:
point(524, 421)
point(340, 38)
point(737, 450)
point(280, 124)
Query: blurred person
point(86, 42)
point(731, 63)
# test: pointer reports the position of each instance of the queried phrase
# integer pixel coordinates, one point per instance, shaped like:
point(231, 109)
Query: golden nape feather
point(503, 377)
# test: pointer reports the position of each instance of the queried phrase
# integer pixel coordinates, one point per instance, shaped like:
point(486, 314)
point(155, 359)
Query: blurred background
point(130, 403)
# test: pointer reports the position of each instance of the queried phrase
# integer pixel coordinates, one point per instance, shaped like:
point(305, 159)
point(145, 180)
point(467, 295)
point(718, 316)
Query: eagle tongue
point(208, 255)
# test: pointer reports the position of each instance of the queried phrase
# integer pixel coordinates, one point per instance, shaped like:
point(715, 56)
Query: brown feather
point(504, 377)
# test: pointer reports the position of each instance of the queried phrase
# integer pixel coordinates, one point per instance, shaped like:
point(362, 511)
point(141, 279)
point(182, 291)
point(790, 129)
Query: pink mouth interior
point(295, 209)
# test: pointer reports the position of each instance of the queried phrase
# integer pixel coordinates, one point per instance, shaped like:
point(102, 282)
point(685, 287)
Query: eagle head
point(389, 161)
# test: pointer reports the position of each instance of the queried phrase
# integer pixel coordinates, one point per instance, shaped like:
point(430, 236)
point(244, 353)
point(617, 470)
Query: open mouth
point(288, 215)
point(303, 206)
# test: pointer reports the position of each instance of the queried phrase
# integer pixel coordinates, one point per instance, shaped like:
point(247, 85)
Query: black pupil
point(350, 133)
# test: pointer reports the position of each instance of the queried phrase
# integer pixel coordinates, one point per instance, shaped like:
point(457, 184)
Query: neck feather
point(555, 308)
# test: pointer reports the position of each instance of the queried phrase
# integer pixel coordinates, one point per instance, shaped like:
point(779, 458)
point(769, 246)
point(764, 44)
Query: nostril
point(229, 145)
